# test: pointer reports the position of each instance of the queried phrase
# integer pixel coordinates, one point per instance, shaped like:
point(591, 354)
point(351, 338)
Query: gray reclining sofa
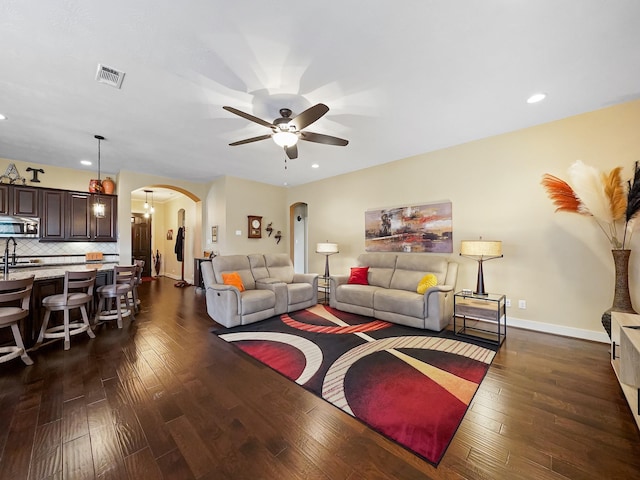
point(391, 293)
point(271, 288)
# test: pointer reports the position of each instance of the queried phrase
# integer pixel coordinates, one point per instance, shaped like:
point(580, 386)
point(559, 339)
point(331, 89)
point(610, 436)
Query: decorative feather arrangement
point(633, 199)
point(600, 195)
point(633, 202)
point(562, 195)
point(614, 190)
point(587, 183)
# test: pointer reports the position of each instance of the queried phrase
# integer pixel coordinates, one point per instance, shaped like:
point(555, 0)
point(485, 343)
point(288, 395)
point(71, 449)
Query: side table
point(324, 288)
point(483, 317)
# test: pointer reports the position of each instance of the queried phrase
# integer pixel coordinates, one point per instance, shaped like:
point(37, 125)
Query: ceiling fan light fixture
point(285, 139)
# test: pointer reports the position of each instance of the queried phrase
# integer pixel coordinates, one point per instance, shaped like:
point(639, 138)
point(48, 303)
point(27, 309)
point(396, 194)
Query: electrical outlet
point(508, 302)
point(238, 233)
point(522, 304)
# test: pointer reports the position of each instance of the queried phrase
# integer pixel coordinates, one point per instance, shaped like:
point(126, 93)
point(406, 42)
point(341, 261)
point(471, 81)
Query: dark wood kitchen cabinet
point(19, 201)
point(82, 225)
point(65, 216)
point(25, 202)
point(78, 216)
point(52, 221)
point(4, 199)
point(105, 229)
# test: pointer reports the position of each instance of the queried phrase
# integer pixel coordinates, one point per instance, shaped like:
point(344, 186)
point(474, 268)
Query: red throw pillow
point(233, 279)
point(359, 276)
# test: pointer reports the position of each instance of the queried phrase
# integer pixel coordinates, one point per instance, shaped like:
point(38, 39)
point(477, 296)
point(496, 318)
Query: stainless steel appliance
point(19, 227)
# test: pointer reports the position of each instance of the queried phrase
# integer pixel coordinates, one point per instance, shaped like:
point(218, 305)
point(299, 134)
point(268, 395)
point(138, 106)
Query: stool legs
point(18, 338)
point(46, 332)
point(106, 312)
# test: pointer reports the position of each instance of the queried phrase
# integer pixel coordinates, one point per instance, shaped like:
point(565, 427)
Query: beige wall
point(559, 263)
point(55, 177)
point(230, 201)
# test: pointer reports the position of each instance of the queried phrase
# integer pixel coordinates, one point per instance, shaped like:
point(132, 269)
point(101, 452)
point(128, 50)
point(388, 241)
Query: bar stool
point(118, 291)
point(10, 315)
point(78, 293)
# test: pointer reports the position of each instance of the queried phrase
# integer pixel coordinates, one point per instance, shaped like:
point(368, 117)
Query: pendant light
point(98, 206)
point(148, 209)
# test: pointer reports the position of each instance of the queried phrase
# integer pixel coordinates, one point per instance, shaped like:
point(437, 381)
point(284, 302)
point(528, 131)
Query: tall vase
point(621, 297)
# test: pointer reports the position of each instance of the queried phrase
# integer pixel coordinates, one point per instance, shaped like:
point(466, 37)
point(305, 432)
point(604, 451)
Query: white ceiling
point(400, 78)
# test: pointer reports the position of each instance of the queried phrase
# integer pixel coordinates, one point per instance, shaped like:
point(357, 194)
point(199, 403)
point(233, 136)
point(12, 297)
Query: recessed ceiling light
point(85, 162)
point(536, 97)
point(315, 165)
point(2, 117)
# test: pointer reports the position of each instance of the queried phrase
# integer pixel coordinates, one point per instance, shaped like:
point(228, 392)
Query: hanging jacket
point(180, 244)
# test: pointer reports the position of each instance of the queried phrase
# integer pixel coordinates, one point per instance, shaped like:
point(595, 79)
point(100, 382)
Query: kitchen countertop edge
point(45, 273)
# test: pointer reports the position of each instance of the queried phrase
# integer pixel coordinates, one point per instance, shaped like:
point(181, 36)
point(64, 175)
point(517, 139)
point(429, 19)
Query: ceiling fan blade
point(249, 140)
point(325, 139)
point(249, 117)
point(292, 152)
point(309, 116)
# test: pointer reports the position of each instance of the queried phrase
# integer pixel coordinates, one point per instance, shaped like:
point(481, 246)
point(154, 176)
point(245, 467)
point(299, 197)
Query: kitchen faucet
point(6, 255)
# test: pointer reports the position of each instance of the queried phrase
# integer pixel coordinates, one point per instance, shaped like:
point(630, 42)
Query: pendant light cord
point(98, 159)
point(99, 138)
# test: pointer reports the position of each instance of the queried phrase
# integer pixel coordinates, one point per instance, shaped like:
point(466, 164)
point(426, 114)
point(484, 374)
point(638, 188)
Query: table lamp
point(481, 250)
point(327, 249)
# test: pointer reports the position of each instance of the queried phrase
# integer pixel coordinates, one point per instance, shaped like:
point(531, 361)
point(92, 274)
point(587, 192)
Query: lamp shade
point(327, 248)
point(481, 248)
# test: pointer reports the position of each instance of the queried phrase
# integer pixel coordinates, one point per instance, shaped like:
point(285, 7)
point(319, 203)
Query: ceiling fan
point(286, 131)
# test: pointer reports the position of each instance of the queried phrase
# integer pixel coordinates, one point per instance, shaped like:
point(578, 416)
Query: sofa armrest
point(279, 288)
point(334, 282)
point(224, 303)
point(310, 278)
point(438, 288)
point(220, 287)
point(438, 301)
point(337, 280)
point(266, 283)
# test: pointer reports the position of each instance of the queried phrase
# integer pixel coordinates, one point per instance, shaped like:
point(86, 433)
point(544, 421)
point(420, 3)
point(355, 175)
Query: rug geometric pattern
point(413, 386)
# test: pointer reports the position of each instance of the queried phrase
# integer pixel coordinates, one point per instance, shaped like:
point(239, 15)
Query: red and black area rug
point(413, 386)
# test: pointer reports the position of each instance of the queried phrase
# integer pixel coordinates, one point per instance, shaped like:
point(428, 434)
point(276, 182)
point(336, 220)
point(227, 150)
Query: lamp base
point(480, 283)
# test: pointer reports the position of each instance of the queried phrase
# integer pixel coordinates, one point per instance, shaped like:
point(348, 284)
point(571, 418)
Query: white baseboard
point(581, 333)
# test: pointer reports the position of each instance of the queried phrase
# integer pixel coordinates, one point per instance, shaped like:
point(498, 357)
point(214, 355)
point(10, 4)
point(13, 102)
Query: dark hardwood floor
point(164, 398)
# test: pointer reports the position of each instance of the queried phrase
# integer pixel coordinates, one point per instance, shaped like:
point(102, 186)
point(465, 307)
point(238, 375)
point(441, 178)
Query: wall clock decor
point(255, 226)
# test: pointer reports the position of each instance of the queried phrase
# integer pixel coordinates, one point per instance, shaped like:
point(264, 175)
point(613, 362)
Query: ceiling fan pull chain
point(285, 157)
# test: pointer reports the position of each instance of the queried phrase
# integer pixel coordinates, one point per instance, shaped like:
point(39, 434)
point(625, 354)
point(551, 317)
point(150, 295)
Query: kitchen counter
point(45, 272)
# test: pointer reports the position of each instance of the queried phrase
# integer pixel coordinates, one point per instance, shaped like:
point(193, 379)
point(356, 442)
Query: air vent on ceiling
point(109, 75)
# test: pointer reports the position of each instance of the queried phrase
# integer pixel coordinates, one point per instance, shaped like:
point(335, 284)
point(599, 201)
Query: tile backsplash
point(60, 252)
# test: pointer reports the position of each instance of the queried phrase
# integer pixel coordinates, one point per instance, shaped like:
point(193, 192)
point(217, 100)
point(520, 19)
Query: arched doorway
point(299, 243)
point(154, 230)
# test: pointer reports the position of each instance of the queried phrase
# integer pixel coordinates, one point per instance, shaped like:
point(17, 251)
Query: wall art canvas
point(419, 228)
